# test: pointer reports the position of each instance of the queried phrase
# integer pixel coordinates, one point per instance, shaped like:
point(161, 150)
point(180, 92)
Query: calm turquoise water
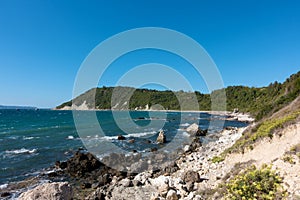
point(33, 140)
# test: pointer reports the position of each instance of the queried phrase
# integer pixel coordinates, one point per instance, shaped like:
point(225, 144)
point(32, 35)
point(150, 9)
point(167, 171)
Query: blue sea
point(32, 140)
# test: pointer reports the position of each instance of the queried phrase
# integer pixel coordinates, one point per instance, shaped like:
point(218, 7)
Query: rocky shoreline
point(183, 177)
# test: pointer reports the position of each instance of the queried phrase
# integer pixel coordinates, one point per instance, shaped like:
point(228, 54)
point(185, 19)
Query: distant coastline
point(2, 107)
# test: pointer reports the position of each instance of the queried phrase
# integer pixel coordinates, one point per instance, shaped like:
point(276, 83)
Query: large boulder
point(191, 176)
point(82, 163)
point(195, 130)
point(53, 191)
point(161, 139)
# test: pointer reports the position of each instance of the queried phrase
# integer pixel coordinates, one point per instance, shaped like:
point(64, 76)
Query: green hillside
point(260, 102)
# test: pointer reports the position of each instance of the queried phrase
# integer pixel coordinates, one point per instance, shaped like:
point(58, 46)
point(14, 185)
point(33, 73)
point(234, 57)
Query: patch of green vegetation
point(217, 159)
point(267, 127)
point(264, 129)
point(289, 159)
point(294, 152)
point(254, 183)
point(295, 149)
point(259, 102)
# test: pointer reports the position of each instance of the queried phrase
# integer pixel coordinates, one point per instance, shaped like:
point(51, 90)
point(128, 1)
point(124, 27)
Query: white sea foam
point(13, 137)
point(129, 135)
point(20, 151)
point(185, 124)
point(70, 137)
point(140, 134)
point(3, 186)
point(29, 138)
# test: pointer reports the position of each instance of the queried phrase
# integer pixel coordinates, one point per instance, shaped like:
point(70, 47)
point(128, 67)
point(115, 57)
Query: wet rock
point(147, 141)
point(131, 141)
point(191, 176)
point(63, 165)
point(121, 137)
point(52, 174)
point(171, 195)
point(5, 194)
point(53, 191)
point(161, 139)
point(153, 149)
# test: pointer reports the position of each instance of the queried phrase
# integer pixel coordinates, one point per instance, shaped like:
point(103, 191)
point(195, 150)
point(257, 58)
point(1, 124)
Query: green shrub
point(254, 183)
point(217, 159)
point(262, 130)
point(289, 159)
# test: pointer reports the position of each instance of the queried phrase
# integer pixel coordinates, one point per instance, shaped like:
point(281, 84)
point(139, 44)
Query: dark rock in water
point(52, 174)
point(5, 194)
point(147, 141)
point(141, 118)
point(153, 149)
point(191, 176)
point(57, 163)
point(161, 139)
point(82, 163)
point(134, 151)
point(63, 165)
point(131, 141)
point(121, 137)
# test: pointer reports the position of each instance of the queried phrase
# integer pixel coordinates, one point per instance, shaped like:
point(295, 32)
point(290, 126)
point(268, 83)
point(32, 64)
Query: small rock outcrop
point(191, 176)
point(121, 137)
point(53, 191)
point(82, 163)
point(195, 130)
point(161, 139)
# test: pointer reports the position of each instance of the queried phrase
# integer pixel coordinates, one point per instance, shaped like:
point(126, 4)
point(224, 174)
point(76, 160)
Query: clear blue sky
point(43, 43)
